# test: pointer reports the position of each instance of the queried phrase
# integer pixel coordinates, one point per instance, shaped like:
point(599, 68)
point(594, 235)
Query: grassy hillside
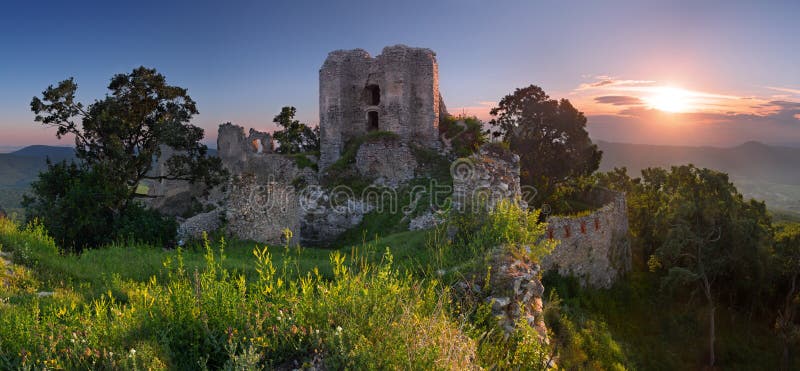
point(240, 306)
point(763, 172)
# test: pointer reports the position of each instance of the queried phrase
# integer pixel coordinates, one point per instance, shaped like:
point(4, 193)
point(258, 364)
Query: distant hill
point(55, 153)
point(19, 168)
point(760, 171)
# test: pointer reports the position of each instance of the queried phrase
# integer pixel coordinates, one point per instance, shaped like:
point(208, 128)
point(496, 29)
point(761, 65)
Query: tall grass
point(223, 307)
point(367, 316)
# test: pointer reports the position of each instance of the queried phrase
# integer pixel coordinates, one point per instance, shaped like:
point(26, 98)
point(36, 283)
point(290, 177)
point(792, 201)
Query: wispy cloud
point(607, 82)
point(619, 100)
point(650, 111)
point(784, 90)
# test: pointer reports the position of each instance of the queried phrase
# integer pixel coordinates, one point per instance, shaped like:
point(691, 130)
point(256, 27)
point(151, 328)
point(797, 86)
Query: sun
point(670, 99)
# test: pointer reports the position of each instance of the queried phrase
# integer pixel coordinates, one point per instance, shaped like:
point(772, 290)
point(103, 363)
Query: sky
point(714, 73)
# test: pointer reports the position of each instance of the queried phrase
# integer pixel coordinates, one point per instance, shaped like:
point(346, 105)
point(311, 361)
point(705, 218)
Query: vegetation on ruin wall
point(343, 171)
point(433, 171)
point(465, 134)
point(303, 161)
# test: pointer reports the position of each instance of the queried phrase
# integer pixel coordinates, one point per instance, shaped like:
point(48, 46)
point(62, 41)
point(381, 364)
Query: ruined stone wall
point(514, 291)
point(485, 178)
point(261, 200)
point(386, 160)
point(594, 248)
point(409, 104)
point(260, 211)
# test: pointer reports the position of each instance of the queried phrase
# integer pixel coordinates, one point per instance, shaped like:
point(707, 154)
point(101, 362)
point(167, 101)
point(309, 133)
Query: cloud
point(607, 82)
point(640, 124)
point(619, 100)
point(784, 90)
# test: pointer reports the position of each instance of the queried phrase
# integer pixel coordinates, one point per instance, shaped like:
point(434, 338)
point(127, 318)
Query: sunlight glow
point(670, 99)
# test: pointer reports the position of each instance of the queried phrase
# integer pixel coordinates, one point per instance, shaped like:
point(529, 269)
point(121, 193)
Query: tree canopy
point(295, 137)
point(549, 135)
point(117, 139)
point(123, 131)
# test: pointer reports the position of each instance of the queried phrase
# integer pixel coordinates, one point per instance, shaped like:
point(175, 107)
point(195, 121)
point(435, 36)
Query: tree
point(116, 140)
point(787, 259)
point(549, 135)
point(710, 235)
point(295, 137)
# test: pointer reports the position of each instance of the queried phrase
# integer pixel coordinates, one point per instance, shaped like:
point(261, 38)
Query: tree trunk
point(785, 357)
point(712, 336)
point(788, 320)
point(711, 318)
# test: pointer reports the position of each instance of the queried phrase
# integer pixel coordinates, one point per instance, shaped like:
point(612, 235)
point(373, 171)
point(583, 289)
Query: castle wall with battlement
point(594, 248)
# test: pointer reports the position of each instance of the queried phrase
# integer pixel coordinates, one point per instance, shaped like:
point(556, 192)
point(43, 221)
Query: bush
point(75, 204)
point(509, 225)
point(142, 225)
point(465, 133)
point(80, 209)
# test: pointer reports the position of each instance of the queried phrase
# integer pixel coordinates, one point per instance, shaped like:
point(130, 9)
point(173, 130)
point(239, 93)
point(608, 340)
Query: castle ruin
point(396, 96)
point(396, 91)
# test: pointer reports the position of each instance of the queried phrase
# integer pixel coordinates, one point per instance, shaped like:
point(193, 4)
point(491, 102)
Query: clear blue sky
point(242, 61)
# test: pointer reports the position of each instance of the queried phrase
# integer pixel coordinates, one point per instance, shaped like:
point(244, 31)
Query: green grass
point(375, 303)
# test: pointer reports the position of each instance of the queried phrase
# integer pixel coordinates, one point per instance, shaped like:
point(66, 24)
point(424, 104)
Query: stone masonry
point(486, 178)
point(386, 160)
point(396, 91)
point(594, 248)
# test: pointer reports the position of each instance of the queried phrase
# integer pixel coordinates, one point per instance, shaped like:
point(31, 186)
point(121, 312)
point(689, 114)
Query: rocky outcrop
point(426, 221)
point(386, 160)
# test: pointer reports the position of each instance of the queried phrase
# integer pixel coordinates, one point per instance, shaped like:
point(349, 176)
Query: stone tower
point(396, 91)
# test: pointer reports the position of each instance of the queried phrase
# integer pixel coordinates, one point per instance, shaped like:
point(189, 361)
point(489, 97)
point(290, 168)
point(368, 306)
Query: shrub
point(465, 133)
point(143, 225)
point(80, 209)
point(509, 225)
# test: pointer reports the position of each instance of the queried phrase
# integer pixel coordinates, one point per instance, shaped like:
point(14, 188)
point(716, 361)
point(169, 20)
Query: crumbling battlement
point(594, 248)
point(397, 91)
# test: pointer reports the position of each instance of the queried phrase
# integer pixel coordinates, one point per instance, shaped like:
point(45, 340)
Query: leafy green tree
point(709, 235)
point(295, 137)
point(787, 259)
point(549, 135)
point(116, 140)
